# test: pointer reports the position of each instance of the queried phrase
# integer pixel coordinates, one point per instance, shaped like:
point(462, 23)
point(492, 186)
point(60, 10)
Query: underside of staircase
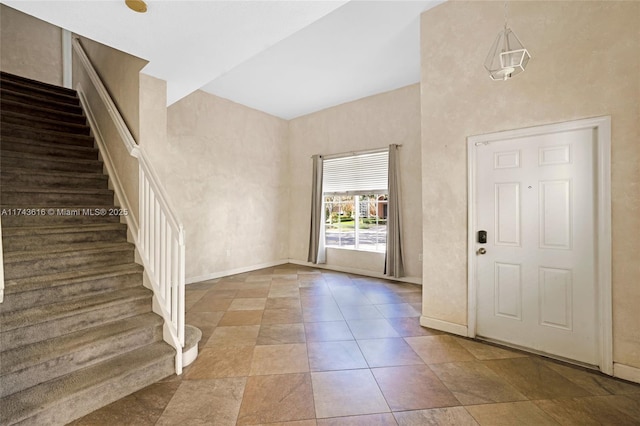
point(77, 330)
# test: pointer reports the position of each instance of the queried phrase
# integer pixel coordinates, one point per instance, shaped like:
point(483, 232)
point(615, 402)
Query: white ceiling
point(286, 58)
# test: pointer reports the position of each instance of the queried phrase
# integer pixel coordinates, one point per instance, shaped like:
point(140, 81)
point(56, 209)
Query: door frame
point(602, 128)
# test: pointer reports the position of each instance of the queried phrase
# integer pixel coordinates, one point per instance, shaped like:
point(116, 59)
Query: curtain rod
point(352, 153)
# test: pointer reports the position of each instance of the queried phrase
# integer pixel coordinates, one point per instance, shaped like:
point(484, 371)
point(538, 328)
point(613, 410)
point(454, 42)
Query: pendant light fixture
point(507, 56)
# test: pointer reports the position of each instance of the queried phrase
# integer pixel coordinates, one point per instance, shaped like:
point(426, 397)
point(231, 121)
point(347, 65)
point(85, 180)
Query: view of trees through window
point(356, 221)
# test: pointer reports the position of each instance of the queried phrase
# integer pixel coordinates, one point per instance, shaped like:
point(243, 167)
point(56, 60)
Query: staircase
point(76, 327)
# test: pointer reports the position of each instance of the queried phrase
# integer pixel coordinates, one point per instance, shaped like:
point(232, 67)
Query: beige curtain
point(317, 253)
point(393, 262)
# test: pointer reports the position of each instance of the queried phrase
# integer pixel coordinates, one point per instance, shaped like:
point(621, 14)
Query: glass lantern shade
point(507, 56)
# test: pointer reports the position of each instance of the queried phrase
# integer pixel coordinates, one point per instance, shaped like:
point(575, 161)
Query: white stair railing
point(159, 236)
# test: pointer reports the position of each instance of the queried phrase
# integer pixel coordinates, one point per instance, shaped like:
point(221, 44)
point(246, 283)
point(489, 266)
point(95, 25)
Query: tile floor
point(297, 346)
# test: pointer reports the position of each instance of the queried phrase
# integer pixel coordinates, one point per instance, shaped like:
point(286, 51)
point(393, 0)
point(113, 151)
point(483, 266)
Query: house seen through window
point(355, 201)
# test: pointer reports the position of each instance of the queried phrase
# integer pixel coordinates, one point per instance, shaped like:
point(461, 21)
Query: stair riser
point(47, 182)
point(80, 260)
point(36, 242)
point(57, 327)
point(56, 220)
point(44, 296)
point(54, 151)
point(54, 199)
point(51, 164)
point(57, 127)
point(36, 90)
point(39, 102)
point(85, 356)
point(30, 133)
point(29, 110)
point(97, 397)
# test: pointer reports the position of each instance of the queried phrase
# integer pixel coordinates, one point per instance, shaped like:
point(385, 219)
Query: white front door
point(536, 281)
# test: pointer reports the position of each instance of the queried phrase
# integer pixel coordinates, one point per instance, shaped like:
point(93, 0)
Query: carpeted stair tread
point(31, 133)
point(52, 401)
point(46, 313)
point(22, 368)
point(42, 112)
point(58, 191)
point(46, 230)
point(26, 238)
point(37, 161)
point(5, 77)
point(38, 101)
point(51, 179)
point(64, 250)
point(18, 359)
point(29, 85)
point(18, 285)
point(45, 123)
point(48, 148)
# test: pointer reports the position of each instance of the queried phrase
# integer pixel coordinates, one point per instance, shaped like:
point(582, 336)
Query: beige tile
point(593, 382)
point(485, 351)
point(275, 334)
point(384, 419)
point(524, 413)
point(248, 304)
point(316, 301)
point(346, 393)
point(450, 416)
point(413, 387)
point(205, 321)
point(398, 310)
point(273, 399)
point(280, 359)
point(410, 327)
point(283, 303)
point(191, 297)
point(141, 408)
point(371, 329)
point(234, 336)
point(207, 304)
point(241, 318)
point(311, 422)
point(474, 383)
point(327, 331)
point(321, 313)
point(253, 293)
point(585, 411)
point(308, 289)
point(342, 355)
point(282, 316)
point(221, 361)
point(628, 404)
point(388, 352)
point(534, 379)
point(205, 402)
point(284, 291)
point(360, 312)
point(437, 349)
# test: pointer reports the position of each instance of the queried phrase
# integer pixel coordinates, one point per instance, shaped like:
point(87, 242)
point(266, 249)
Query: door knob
point(481, 250)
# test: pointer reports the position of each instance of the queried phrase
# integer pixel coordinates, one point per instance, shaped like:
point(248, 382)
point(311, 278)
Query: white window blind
point(356, 174)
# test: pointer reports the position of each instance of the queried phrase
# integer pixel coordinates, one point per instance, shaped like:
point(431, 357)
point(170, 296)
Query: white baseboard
point(626, 372)
point(236, 271)
point(364, 272)
point(449, 327)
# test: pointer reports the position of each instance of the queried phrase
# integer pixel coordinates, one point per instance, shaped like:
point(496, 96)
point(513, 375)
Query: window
point(355, 201)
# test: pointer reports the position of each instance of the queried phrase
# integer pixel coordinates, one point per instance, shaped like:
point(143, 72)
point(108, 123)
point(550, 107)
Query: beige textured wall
point(586, 63)
point(30, 47)
point(119, 72)
point(369, 123)
point(125, 165)
point(224, 166)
